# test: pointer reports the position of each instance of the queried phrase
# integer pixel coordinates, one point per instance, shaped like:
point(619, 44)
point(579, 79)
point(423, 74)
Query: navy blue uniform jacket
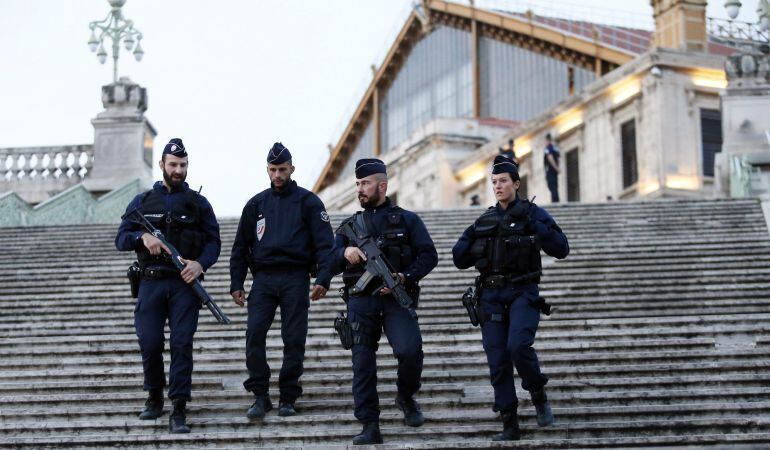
point(426, 257)
point(129, 233)
point(295, 234)
point(552, 239)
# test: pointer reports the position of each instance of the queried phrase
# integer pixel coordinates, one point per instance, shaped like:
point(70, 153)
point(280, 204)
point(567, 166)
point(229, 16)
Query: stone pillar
point(680, 24)
point(123, 139)
point(742, 165)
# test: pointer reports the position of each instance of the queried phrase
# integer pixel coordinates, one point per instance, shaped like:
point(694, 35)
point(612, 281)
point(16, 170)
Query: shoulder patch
point(324, 216)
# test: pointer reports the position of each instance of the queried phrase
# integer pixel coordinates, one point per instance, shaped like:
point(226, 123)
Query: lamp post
point(733, 7)
point(117, 28)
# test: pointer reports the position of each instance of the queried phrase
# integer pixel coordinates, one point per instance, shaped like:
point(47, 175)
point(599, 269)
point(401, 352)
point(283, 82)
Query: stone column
point(680, 24)
point(123, 139)
point(741, 168)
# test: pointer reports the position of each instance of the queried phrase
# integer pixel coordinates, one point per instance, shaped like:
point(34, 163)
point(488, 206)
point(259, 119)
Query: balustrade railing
point(31, 164)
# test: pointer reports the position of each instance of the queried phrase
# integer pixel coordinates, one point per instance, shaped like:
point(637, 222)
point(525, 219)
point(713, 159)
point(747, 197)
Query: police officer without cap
point(187, 221)
point(283, 235)
point(504, 245)
point(406, 244)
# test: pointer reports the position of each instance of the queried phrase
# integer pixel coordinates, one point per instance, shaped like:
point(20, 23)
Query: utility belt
point(471, 299)
point(412, 290)
point(501, 280)
point(136, 274)
point(158, 273)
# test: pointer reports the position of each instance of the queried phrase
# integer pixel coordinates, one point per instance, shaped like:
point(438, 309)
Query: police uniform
point(551, 176)
point(504, 245)
point(282, 237)
point(188, 222)
point(406, 244)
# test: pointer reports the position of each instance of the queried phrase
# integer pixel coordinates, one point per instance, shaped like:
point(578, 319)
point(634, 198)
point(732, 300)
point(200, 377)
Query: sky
point(229, 77)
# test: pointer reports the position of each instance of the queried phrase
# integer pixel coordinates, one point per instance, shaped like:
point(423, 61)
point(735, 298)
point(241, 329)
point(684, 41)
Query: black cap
point(369, 166)
point(278, 154)
point(175, 147)
point(504, 164)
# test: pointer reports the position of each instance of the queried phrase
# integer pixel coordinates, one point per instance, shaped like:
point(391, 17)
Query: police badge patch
point(260, 228)
point(324, 216)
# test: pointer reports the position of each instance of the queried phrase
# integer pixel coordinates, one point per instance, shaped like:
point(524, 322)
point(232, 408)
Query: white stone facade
point(422, 170)
point(662, 92)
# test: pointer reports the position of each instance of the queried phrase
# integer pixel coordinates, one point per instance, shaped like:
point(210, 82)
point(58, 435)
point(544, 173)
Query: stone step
point(437, 317)
point(470, 348)
point(217, 337)
point(446, 232)
point(236, 407)
point(565, 306)
point(584, 242)
point(740, 268)
point(334, 375)
point(593, 434)
point(560, 383)
point(445, 420)
point(632, 213)
point(550, 331)
point(553, 277)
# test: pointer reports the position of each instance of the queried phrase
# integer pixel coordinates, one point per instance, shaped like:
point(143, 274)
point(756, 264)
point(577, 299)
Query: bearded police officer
point(405, 242)
point(504, 245)
point(284, 234)
point(187, 221)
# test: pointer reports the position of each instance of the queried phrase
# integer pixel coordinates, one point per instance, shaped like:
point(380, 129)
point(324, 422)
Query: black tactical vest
point(506, 244)
point(393, 243)
point(180, 225)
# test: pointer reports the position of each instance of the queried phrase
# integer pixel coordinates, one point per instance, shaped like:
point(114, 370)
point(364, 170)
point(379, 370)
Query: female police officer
point(504, 245)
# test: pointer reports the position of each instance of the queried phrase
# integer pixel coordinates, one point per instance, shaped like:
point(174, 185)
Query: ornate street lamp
point(733, 7)
point(117, 28)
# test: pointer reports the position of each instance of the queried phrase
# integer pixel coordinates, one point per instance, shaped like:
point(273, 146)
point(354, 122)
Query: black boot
point(544, 413)
point(369, 435)
point(153, 407)
point(177, 419)
point(412, 414)
point(286, 409)
point(260, 407)
point(511, 430)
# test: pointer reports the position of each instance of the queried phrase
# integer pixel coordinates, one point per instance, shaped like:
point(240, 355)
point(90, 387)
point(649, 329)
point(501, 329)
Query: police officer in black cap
point(283, 236)
point(188, 222)
point(405, 242)
point(504, 245)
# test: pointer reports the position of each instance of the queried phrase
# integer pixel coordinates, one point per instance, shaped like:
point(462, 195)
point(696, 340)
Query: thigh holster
point(342, 327)
point(365, 335)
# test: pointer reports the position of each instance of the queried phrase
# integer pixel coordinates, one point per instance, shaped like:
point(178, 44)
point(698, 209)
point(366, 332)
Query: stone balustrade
point(41, 163)
point(35, 173)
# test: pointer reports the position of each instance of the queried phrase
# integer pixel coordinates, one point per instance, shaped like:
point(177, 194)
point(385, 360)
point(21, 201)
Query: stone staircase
point(660, 338)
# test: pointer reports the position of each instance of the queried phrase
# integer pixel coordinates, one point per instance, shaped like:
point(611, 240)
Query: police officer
point(284, 234)
point(187, 221)
point(405, 242)
point(509, 151)
point(551, 158)
point(504, 245)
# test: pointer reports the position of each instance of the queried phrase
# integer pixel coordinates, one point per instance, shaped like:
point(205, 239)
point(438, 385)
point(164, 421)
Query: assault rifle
point(376, 264)
point(175, 259)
